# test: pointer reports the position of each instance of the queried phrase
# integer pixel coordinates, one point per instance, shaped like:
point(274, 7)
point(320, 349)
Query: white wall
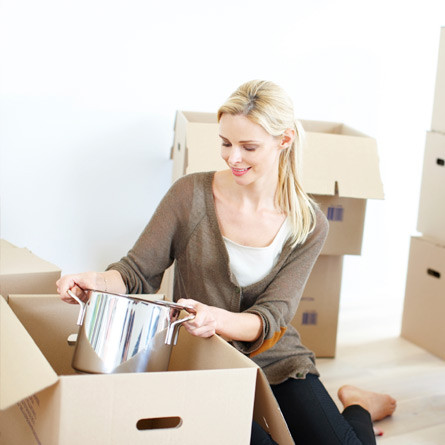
point(89, 91)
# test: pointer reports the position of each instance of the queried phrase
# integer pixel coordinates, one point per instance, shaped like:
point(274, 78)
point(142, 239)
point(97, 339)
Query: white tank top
point(251, 264)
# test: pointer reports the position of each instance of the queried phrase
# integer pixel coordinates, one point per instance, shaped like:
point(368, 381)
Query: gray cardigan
point(185, 228)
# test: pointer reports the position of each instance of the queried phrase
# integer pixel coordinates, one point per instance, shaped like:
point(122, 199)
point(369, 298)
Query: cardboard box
point(424, 305)
point(340, 167)
point(316, 319)
point(59, 320)
point(431, 216)
point(209, 390)
point(22, 272)
point(167, 283)
point(438, 120)
point(346, 218)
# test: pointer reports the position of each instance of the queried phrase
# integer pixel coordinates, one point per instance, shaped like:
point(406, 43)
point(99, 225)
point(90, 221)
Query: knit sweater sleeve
point(143, 267)
point(279, 301)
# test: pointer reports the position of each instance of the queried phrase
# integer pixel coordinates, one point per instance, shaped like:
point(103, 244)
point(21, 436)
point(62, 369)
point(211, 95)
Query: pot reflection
point(124, 334)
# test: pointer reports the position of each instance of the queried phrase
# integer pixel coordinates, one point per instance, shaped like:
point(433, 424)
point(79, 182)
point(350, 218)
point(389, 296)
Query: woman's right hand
point(77, 282)
point(110, 281)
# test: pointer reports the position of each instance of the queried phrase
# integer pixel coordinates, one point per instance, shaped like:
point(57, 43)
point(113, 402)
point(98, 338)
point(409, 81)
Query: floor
point(372, 355)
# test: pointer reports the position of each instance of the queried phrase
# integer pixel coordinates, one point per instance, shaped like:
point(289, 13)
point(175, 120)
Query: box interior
point(200, 369)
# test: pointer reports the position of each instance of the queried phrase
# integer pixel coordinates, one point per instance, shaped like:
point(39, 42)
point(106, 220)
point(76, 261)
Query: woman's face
point(248, 149)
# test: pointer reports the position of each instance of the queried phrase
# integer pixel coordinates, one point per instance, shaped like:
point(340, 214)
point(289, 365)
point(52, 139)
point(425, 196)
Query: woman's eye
point(250, 148)
point(225, 144)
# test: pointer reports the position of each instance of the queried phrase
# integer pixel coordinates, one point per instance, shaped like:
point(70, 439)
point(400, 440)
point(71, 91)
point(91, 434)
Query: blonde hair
point(266, 104)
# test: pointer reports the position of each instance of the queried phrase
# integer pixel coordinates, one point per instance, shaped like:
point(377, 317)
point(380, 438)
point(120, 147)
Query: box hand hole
point(433, 273)
point(159, 423)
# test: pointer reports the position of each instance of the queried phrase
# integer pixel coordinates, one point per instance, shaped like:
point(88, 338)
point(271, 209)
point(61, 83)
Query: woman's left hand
point(204, 324)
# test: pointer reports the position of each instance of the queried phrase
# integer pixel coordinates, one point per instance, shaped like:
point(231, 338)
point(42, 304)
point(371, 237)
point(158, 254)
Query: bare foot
point(378, 405)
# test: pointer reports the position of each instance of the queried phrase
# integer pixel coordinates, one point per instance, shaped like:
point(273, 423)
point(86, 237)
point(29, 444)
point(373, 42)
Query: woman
point(244, 241)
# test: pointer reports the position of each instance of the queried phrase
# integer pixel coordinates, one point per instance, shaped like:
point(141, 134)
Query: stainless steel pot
point(119, 333)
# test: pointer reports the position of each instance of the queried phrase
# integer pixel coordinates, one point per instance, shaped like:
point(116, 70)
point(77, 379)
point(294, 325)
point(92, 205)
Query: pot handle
point(173, 330)
point(82, 307)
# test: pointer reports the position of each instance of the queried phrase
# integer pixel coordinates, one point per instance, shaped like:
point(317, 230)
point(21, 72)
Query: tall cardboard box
point(340, 169)
point(316, 319)
point(210, 391)
point(438, 120)
point(423, 321)
point(431, 215)
point(22, 272)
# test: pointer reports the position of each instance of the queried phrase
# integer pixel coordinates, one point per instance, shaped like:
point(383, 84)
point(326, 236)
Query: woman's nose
point(235, 155)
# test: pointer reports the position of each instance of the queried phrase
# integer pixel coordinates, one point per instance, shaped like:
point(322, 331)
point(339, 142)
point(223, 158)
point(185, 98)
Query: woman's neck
point(256, 196)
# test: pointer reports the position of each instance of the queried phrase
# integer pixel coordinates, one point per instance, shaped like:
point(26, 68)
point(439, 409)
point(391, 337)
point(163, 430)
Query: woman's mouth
point(240, 171)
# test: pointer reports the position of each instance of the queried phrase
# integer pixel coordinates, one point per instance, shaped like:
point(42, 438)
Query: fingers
point(204, 323)
point(75, 283)
point(203, 331)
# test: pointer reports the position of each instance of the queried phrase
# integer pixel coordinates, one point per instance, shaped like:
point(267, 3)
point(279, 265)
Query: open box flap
point(19, 260)
point(209, 354)
point(23, 368)
point(341, 164)
point(337, 159)
point(268, 413)
point(206, 145)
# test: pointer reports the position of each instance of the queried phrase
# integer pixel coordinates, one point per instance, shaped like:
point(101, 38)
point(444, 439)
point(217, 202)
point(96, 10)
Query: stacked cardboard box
point(424, 306)
point(340, 171)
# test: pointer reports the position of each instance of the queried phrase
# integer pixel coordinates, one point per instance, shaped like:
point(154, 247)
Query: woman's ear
point(287, 138)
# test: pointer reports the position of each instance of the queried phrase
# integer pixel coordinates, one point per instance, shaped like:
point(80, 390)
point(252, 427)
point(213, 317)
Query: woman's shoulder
point(321, 220)
point(194, 179)
point(190, 187)
point(321, 228)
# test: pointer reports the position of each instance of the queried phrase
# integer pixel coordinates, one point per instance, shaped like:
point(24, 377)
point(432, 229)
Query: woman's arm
point(259, 326)
point(211, 320)
point(110, 281)
point(278, 302)
point(143, 267)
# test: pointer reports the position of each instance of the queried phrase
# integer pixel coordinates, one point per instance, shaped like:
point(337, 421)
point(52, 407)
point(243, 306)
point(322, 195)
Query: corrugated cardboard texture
point(424, 306)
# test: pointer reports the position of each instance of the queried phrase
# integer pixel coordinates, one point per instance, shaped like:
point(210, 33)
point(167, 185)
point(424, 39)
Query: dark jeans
point(314, 419)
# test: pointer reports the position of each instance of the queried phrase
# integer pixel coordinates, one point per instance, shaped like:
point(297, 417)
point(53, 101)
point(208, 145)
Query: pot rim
point(169, 304)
